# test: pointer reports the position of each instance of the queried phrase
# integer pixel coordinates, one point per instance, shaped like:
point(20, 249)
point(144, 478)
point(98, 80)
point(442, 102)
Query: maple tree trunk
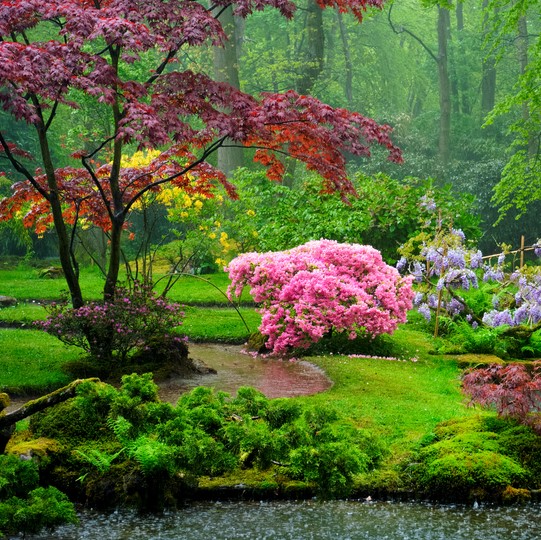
point(117, 213)
point(64, 243)
point(114, 260)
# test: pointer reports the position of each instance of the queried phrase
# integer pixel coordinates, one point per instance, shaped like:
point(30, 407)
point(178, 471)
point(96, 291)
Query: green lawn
point(31, 360)
point(399, 400)
point(222, 324)
point(23, 312)
point(25, 284)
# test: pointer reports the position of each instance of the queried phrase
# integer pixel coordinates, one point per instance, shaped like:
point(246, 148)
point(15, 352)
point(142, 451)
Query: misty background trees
point(458, 82)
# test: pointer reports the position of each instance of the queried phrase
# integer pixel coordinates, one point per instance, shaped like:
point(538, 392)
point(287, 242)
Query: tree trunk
point(113, 269)
point(67, 260)
point(462, 78)
point(348, 85)
point(444, 86)
point(226, 69)
point(522, 49)
point(8, 420)
point(314, 51)
point(488, 77)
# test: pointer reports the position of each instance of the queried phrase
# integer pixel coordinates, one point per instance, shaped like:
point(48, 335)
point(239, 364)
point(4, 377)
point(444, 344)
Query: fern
point(100, 460)
point(153, 456)
point(122, 429)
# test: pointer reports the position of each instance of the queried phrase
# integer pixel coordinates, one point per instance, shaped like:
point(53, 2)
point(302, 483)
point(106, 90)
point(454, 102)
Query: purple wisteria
point(445, 267)
point(521, 308)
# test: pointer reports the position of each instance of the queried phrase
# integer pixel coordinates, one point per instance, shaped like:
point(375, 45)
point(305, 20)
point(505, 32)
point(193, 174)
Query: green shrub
point(474, 456)
point(44, 508)
point(250, 401)
point(17, 477)
point(78, 418)
point(255, 443)
point(25, 507)
point(330, 466)
point(458, 472)
point(523, 445)
point(480, 340)
point(282, 411)
point(104, 430)
point(155, 458)
point(339, 343)
point(113, 331)
point(202, 454)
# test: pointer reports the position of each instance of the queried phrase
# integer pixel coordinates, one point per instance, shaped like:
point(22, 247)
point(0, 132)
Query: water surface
point(311, 520)
point(275, 378)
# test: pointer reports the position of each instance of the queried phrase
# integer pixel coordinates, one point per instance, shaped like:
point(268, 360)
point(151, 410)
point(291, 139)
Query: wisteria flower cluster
point(445, 266)
point(319, 287)
point(521, 308)
point(110, 331)
point(447, 263)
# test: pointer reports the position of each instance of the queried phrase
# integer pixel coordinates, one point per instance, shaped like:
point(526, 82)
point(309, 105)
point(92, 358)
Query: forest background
point(455, 81)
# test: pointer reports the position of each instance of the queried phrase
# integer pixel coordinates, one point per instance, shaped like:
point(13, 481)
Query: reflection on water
point(275, 378)
point(311, 520)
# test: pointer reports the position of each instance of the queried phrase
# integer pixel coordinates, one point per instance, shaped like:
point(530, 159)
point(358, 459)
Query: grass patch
point(205, 289)
point(223, 324)
point(400, 400)
point(31, 362)
point(23, 313)
point(25, 283)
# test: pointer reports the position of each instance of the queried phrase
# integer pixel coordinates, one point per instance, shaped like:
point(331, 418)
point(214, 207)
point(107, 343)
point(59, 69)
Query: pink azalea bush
point(112, 331)
point(319, 287)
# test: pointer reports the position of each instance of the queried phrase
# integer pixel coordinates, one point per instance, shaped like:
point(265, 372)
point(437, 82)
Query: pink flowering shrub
point(136, 320)
point(319, 287)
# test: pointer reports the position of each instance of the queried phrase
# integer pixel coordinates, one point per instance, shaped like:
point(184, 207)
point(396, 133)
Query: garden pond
point(310, 520)
point(275, 378)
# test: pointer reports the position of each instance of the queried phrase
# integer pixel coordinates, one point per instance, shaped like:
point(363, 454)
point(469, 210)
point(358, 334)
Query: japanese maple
point(514, 390)
point(319, 287)
point(53, 52)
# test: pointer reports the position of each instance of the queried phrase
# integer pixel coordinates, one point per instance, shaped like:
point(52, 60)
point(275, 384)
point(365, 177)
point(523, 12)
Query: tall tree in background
point(119, 56)
point(441, 58)
point(348, 84)
point(519, 186)
point(311, 48)
point(488, 78)
point(444, 31)
point(226, 69)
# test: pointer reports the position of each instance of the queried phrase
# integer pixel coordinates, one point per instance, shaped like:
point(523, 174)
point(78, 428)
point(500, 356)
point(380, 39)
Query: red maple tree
point(52, 52)
point(514, 390)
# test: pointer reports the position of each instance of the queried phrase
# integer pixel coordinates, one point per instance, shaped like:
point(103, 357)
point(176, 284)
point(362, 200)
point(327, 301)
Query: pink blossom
point(321, 286)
